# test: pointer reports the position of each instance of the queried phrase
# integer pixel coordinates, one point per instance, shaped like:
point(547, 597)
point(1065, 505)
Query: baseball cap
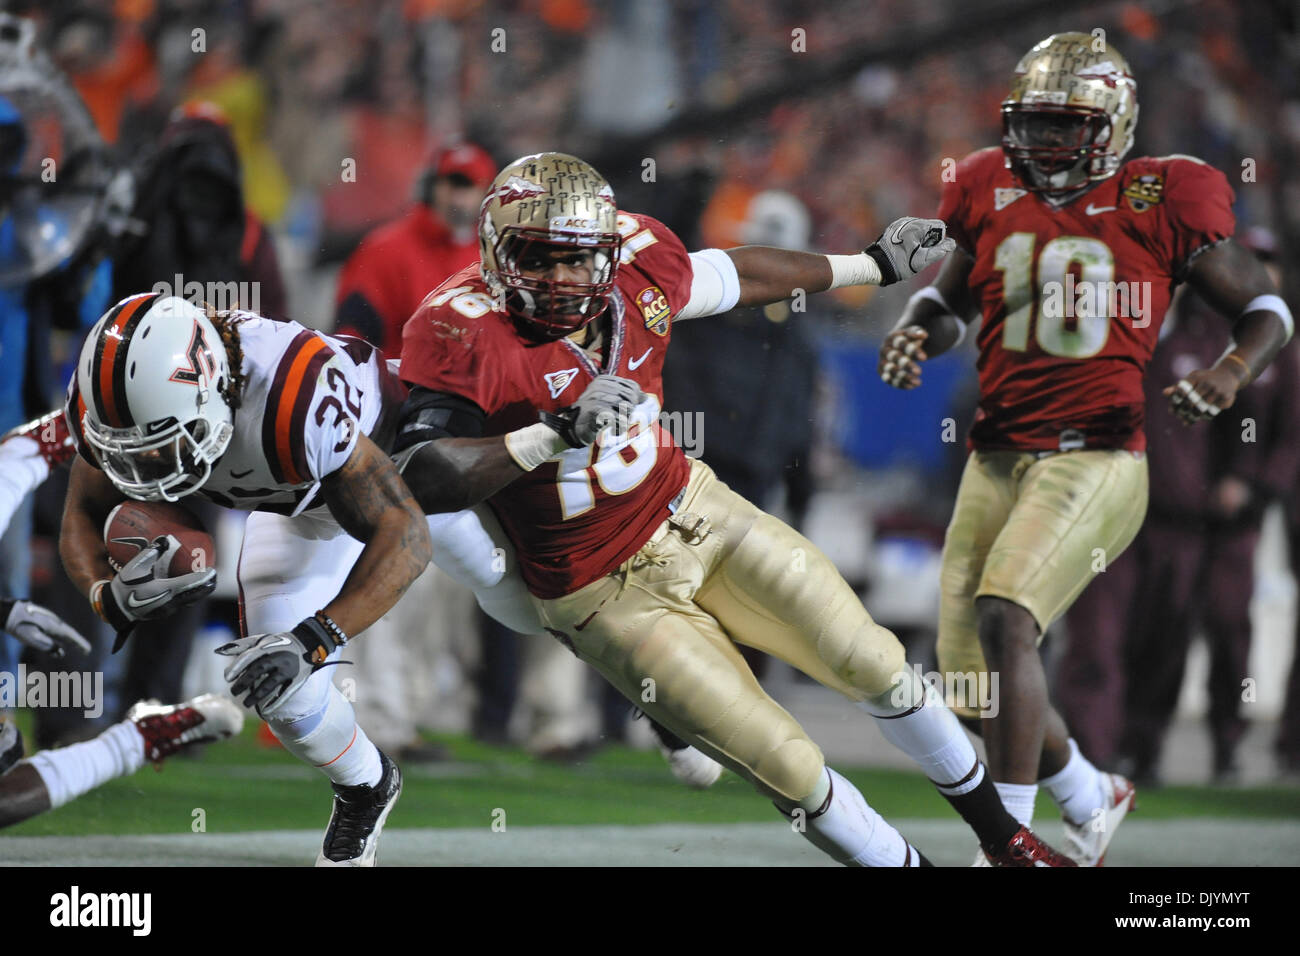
point(467, 160)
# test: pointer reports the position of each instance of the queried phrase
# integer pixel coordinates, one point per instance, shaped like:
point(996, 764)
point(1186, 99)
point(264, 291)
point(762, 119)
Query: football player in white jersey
point(170, 400)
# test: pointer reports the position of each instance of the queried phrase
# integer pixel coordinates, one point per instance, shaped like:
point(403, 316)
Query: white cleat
point(1085, 843)
point(693, 768)
point(167, 728)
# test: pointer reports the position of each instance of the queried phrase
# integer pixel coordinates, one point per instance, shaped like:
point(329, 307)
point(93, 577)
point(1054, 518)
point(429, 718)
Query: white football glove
point(38, 628)
point(907, 246)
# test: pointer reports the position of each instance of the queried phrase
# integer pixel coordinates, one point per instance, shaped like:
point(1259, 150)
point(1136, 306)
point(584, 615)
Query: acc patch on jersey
point(654, 307)
point(1145, 192)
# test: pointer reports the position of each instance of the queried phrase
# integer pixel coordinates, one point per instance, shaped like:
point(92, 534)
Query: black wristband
point(114, 616)
point(562, 423)
point(315, 638)
point(6, 608)
point(888, 276)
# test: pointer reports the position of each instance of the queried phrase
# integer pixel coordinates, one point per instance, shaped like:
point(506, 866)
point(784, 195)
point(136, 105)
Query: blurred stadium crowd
point(736, 121)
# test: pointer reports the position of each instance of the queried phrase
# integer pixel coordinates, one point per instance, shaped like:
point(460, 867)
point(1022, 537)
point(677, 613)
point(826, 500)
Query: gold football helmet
point(1071, 114)
point(538, 208)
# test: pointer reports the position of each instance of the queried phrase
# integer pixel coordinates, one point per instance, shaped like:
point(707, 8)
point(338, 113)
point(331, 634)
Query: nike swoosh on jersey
point(1093, 210)
point(241, 474)
point(636, 363)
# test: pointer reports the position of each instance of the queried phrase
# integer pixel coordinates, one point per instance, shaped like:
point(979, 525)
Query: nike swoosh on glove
point(143, 591)
point(269, 668)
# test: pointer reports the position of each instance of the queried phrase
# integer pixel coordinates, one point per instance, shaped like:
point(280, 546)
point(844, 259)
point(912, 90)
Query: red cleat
point(1025, 849)
point(169, 728)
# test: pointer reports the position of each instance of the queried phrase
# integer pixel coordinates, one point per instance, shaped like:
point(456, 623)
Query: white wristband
point(1272, 303)
point(531, 446)
point(860, 269)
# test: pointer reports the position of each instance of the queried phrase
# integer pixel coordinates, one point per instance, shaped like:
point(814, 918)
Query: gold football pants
point(1033, 531)
point(720, 572)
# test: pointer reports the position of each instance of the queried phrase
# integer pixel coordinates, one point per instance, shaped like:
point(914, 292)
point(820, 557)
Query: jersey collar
point(617, 334)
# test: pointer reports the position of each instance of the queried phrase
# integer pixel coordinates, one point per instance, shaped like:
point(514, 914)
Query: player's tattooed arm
point(372, 503)
point(1232, 280)
point(931, 324)
point(91, 496)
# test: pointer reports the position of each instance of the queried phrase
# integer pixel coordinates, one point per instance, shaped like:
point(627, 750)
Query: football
point(133, 524)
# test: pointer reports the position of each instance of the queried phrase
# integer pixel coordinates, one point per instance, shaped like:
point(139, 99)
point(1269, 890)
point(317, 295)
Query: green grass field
point(243, 786)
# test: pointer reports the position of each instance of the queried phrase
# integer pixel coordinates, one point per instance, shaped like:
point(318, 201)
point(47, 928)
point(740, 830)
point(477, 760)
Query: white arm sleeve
point(22, 469)
point(715, 285)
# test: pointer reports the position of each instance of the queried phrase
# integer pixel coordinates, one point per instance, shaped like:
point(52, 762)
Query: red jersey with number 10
point(1073, 296)
point(573, 519)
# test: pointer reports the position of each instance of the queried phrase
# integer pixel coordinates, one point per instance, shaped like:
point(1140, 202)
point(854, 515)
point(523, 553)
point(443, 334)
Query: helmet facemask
point(160, 461)
point(546, 308)
point(1056, 150)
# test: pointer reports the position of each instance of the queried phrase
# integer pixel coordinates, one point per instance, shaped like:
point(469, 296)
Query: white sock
point(1018, 798)
point(929, 733)
point(1077, 787)
point(71, 771)
point(332, 740)
point(22, 469)
point(845, 827)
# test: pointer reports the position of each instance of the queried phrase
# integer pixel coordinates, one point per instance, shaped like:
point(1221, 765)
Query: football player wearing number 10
point(1070, 255)
point(637, 558)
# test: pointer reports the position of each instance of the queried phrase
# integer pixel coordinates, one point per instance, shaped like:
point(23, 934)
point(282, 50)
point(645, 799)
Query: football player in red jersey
point(1070, 254)
point(636, 557)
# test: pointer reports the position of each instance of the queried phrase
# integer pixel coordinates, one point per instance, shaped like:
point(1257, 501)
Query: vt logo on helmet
point(151, 375)
point(1070, 116)
point(549, 243)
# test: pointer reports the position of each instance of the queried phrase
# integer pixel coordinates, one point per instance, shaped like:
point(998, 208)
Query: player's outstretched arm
point(1232, 280)
point(758, 275)
point(372, 503)
point(932, 323)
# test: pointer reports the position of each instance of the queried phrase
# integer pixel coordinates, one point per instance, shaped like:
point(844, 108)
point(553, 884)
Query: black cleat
point(358, 818)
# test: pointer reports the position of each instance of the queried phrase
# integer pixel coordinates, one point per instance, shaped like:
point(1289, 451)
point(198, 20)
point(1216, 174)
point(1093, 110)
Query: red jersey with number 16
point(576, 518)
point(1073, 296)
